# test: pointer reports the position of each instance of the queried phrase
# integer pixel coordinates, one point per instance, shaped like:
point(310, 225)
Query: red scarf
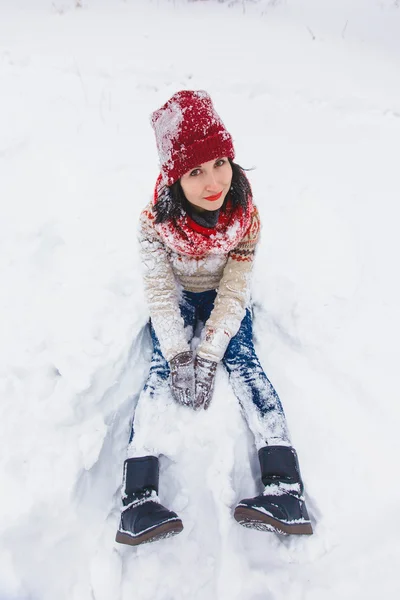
point(185, 236)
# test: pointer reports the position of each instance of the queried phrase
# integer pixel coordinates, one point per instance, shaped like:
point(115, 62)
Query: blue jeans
point(258, 399)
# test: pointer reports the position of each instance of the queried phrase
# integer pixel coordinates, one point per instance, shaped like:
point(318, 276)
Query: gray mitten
point(205, 371)
point(182, 378)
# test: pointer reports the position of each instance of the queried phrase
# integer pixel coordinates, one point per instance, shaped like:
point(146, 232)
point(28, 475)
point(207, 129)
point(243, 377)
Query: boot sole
point(253, 519)
point(165, 530)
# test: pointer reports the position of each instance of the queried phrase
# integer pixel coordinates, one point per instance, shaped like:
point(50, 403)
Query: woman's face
point(206, 186)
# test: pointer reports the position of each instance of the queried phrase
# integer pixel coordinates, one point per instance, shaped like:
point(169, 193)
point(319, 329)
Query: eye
point(194, 173)
point(220, 162)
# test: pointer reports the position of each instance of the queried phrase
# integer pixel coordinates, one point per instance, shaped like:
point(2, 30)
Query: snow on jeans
point(154, 432)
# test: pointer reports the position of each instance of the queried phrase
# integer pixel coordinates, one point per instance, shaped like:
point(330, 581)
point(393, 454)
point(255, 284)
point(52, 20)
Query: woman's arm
point(161, 289)
point(232, 297)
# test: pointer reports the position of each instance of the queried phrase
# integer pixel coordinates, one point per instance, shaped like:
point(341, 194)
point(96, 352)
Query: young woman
point(198, 238)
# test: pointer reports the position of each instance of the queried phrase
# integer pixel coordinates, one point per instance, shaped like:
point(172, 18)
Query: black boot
point(281, 508)
point(143, 518)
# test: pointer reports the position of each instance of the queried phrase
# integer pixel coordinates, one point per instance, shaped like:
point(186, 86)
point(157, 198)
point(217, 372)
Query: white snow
point(166, 126)
point(311, 93)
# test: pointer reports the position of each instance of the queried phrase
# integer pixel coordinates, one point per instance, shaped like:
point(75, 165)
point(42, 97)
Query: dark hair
point(171, 203)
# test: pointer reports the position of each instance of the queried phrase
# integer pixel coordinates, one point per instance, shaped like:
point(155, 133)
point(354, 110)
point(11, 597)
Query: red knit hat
point(188, 133)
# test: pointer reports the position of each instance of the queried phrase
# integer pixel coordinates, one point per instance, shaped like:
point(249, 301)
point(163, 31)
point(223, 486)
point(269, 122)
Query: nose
point(211, 182)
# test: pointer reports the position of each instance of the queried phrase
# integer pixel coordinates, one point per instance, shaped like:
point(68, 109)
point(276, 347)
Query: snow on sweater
point(187, 256)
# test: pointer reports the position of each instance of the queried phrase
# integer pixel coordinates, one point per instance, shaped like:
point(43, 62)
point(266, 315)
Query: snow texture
point(166, 127)
point(310, 91)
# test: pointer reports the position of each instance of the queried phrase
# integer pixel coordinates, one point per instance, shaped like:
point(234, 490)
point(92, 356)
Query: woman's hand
point(205, 371)
point(182, 378)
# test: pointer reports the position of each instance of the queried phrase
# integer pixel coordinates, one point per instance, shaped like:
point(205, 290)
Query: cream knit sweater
point(168, 272)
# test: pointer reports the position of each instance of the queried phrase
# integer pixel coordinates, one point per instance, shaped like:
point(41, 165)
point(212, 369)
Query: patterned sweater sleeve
point(161, 289)
point(233, 295)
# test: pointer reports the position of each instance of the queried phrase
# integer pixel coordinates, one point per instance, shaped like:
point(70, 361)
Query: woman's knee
point(241, 357)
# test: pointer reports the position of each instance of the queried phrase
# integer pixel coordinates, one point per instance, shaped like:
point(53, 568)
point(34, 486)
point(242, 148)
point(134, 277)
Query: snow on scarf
point(187, 237)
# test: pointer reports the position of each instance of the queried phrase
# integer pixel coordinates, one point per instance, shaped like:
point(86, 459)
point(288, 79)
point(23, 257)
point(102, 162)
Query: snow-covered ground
point(311, 93)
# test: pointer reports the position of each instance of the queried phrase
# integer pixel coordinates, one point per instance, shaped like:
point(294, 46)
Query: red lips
point(214, 198)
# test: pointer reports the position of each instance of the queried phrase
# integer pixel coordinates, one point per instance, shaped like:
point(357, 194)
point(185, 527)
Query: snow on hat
point(189, 132)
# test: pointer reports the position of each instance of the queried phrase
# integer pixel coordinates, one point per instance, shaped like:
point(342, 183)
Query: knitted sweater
point(186, 256)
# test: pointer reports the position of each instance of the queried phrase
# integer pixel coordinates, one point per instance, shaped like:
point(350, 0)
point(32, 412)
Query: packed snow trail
point(317, 114)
